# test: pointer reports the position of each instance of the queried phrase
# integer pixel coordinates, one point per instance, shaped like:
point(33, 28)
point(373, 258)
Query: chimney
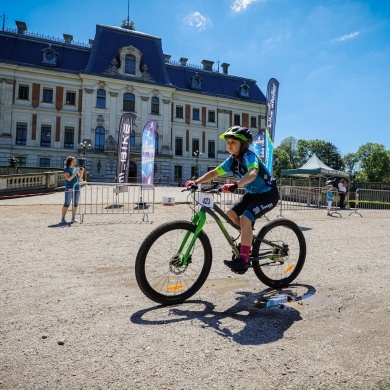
point(207, 65)
point(167, 58)
point(21, 26)
point(225, 67)
point(183, 61)
point(68, 38)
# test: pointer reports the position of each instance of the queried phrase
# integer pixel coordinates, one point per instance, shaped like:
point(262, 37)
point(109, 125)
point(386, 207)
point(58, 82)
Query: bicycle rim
point(158, 272)
point(279, 269)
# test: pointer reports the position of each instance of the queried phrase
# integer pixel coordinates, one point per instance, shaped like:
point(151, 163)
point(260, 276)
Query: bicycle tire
point(280, 273)
point(157, 275)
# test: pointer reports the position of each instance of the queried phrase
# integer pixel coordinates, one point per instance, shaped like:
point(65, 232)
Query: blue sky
point(331, 57)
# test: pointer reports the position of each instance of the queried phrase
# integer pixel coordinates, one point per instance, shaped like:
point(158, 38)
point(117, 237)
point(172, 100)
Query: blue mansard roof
point(26, 49)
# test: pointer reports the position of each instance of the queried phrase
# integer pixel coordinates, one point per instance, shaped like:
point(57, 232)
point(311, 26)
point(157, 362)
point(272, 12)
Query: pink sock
point(244, 252)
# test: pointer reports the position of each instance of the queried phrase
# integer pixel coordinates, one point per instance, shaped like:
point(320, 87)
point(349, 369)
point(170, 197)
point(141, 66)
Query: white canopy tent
point(314, 168)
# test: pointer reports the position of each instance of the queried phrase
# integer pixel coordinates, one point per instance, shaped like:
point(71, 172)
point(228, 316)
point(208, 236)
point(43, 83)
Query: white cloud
point(242, 5)
point(347, 36)
point(197, 20)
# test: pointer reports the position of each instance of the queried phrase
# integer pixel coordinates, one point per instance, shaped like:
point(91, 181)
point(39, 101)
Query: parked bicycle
point(175, 259)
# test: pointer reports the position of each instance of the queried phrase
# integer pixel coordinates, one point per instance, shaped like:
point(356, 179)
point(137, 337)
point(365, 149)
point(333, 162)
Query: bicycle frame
point(199, 219)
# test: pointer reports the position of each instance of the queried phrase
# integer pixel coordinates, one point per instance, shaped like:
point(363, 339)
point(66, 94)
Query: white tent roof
point(314, 167)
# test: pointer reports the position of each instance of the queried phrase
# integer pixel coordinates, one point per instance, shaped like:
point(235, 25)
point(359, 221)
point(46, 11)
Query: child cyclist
point(261, 191)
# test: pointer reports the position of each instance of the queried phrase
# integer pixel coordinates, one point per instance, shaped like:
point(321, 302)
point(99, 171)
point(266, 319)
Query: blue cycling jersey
point(239, 167)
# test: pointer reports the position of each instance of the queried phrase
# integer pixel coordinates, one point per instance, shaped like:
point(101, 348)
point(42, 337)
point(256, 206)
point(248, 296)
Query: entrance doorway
point(132, 172)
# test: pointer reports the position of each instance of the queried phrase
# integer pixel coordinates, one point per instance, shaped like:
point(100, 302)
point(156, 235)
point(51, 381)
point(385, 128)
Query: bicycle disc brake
point(176, 265)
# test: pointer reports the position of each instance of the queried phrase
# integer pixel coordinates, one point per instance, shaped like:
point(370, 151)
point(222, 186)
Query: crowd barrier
point(366, 199)
point(299, 198)
point(116, 198)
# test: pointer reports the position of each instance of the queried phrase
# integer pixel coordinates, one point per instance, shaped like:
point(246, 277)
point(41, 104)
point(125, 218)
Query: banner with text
point(148, 152)
point(263, 142)
point(125, 128)
point(272, 99)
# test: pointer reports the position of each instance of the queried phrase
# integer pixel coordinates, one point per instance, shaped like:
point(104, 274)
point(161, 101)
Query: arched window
point(132, 138)
point(155, 105)
point(99, 138)
point(101, 98)
point(128, 102)
point(156, 144)
point(130, 64)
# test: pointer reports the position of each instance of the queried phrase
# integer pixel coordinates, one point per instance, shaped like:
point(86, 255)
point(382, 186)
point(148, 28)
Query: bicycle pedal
point(238, 272)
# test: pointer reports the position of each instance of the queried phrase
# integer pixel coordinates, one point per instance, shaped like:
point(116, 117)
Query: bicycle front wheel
point(159, 269)
point(282, 248)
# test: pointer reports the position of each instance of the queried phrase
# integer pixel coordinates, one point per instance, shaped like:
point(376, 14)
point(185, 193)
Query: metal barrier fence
point(371, 200)
point(299, 198)
point(115, 198)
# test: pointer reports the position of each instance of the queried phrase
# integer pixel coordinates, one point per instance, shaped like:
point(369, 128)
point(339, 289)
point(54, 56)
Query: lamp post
point(84, 146)
point(196, 154)
point(12, 161)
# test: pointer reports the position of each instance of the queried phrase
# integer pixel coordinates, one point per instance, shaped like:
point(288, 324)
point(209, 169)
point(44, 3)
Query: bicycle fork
point(198, 220)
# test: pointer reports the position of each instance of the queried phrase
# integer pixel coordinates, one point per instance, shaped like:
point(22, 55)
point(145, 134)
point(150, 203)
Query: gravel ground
point(72, 316)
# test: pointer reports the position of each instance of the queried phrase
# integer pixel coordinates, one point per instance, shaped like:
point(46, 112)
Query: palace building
point(56, 94)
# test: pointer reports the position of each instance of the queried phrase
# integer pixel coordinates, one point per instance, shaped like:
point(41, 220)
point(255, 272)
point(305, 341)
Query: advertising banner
point(125, 128)
point(272, 99)
point(148, 152)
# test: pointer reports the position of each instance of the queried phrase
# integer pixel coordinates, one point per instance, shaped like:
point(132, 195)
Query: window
point(101, 98)
point(128, 102)
point(47, 95)
point(132, 138)
point(194, 171)
point(99, 138)
point(178, 172)
point(130, 64)
point(196, 114)
point(179, 112)
point(69, 137)
point(211, 115)
point(21, 133)
point(254, 122)
point(110, 168)
point(44, 162)
point(155, 105)
point(178, 146)
point(23, 92)
point(45, 135)
point(236, 120)
point(211, 150)
point(195, 147)
point(156, 143)
point(22, 161)
point(70, 98)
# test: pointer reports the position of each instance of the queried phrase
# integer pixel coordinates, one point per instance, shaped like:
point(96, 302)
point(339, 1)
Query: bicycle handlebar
point(214, 189)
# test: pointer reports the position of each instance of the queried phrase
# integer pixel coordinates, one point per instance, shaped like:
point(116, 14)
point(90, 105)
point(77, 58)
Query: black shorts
point(254, 206)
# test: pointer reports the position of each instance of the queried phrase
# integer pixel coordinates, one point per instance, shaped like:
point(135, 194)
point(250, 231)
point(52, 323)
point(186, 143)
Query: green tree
point(281, 161)
point(351, 165)
point(325, 151)
point(374, 161)
point(289, 145)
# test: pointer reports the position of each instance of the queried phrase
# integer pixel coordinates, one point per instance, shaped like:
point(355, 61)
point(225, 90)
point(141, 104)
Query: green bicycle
point(175, 259)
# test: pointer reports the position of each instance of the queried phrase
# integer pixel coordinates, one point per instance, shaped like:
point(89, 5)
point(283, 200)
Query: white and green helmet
point(241, 133)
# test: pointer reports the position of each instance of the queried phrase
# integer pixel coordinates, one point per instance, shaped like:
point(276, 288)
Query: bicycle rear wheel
point(158, 271)
point(279, 267)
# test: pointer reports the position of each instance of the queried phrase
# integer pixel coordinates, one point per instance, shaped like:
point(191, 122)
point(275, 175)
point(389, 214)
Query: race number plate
point(204, 199)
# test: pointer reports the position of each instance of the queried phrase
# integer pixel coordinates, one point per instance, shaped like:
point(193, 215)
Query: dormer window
point(244, 91)
point(196, 83)
point(49, 57)
point(130, 61)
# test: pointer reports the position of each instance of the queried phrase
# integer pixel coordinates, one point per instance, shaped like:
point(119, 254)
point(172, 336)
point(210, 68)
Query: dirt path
point(72, 316)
